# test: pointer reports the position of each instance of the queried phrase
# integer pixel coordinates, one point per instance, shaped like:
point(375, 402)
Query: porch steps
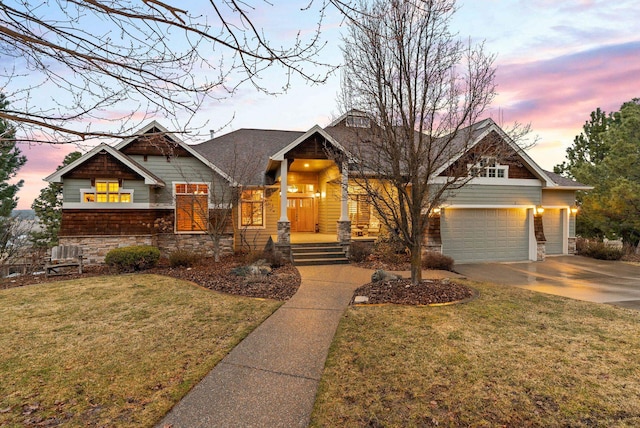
point(318, 253)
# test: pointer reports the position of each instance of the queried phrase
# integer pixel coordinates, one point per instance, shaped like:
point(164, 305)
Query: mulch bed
point(281, 284)
point(401, 292)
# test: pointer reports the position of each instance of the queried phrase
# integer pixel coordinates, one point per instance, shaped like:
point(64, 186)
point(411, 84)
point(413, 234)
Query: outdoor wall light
point(574, 209)
point(317, 194)
point(292, 189)
point(539, 210)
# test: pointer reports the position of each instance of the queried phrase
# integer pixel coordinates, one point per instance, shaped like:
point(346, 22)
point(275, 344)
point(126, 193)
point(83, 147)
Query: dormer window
point(358, 121)
point(489, 167)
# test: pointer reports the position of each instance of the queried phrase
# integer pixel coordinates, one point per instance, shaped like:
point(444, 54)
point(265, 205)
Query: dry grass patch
point(112, 351)
point(510, 358)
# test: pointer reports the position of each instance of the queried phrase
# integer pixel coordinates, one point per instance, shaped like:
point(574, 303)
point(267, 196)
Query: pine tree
point(48, 208)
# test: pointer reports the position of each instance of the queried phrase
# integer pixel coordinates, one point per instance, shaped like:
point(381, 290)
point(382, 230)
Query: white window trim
point(496, 167)
point(264, 211)
point(175, 207)
point(92, 190)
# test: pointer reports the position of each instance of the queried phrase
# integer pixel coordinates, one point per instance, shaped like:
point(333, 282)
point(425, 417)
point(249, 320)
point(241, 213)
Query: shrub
point(389, 249)
point(184, 258)
point(360, 251)
point(435, 260)
point(599, 250)
point(129, 259)
point(272, 257)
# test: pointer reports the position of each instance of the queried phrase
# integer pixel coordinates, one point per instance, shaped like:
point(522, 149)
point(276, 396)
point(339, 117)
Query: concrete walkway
point(270, 379)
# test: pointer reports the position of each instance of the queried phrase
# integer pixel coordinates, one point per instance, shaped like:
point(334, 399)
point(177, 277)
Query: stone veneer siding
point(95, 248)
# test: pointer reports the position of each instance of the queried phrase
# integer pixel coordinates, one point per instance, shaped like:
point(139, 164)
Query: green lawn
point(510, 358)
point(112, 351)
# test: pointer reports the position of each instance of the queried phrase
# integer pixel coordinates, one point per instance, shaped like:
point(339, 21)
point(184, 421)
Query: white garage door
point(475, 235)
point(552, 224)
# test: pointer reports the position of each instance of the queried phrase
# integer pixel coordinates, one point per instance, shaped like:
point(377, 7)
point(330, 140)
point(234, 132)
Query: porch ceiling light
point(292, 189)
point(306, 165)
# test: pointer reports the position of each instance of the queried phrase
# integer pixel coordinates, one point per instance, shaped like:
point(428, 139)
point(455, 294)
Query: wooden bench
point(62, 258)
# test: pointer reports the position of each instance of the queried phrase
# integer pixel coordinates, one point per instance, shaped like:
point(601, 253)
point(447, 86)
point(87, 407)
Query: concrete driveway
point(581, 278)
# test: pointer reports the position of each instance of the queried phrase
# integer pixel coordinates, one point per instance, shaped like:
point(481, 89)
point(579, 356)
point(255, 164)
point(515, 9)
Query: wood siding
point(558, 198)
point(492, 145)
point(256, 239)
point(476, 194)
point(184, 169)
point(86, 222)
point(103, 165)
point(329, 201)
point(71, 189)
point(312, 148)
point(154, 145)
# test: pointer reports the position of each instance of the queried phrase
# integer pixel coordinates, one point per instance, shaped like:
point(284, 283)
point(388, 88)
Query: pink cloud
point(42, 160)
point(561, 92)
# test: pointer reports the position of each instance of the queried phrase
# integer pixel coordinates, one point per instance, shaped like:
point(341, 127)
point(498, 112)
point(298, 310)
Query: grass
point(510, 358)
point(112, 351)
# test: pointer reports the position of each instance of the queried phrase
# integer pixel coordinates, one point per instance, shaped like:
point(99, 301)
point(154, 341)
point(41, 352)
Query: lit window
point(252, 208)
point(488, 167)
point(192, 207)
point(107, 191)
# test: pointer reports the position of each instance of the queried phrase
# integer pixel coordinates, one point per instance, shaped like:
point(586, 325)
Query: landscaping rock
point(383, 275)
point(360, 299)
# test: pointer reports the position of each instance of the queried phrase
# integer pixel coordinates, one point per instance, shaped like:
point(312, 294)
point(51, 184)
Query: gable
point(492, 145)
point(154, 143)
point(103, 165)
point(314, 147)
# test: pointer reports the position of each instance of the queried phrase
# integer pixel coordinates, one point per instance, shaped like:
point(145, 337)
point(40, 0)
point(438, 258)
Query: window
point(107, 191)
point(358, 121)
point(489, 167)
point(359, 210)
point(252, 208)
point(192, 207)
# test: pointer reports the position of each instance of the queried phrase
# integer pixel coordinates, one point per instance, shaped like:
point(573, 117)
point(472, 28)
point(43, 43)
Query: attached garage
point(477, 235)
point(553, 223)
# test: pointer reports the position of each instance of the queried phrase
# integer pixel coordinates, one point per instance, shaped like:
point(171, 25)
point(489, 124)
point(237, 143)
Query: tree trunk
point(416, 263)
point(216, 248)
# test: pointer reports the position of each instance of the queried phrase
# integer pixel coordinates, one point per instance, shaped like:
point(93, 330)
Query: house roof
point(149, 177)
point(564, 183)
point(260, 143)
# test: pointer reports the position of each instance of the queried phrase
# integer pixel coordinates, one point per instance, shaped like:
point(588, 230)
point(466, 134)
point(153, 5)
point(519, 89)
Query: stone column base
point(541, 252)
point(344, 236)
point(433, 248)
point(572, 245)
point(284, 239)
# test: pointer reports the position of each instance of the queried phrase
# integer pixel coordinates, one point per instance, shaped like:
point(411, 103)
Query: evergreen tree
point(48, 208)
point(10, 162)
point(607, 157)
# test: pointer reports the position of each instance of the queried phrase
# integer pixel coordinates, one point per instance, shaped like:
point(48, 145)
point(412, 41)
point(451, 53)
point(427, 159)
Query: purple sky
point(555, 64)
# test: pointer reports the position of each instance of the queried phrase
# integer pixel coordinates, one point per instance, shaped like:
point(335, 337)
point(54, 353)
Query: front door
point(300, 213)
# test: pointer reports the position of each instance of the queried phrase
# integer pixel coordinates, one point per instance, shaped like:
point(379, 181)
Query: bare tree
point(422, 89)
point(68, 63)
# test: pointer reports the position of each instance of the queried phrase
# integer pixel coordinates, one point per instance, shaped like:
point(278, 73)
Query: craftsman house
point(285, 186)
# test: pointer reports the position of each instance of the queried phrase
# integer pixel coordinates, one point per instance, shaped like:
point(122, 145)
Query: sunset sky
point(556, 62)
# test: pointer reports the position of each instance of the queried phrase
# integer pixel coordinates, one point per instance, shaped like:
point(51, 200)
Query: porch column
point(283, 190)
point(284, 227)
point(344, 224)
point(344, 198)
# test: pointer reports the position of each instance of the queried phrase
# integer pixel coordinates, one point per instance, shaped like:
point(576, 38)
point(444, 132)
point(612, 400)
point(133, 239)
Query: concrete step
point(321, 262)
point(318, 253)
